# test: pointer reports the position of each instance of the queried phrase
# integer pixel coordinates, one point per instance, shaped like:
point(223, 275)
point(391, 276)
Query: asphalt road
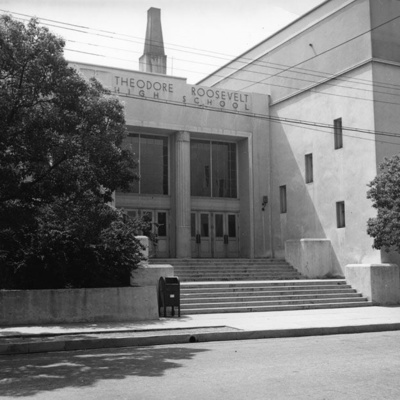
point(357, 366)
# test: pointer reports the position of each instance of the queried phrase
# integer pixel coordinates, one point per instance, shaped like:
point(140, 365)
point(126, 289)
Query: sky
point(199, 35)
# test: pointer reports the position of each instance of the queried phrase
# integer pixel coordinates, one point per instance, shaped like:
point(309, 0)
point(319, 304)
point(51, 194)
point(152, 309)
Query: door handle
point(226, 239)
point(198, 238)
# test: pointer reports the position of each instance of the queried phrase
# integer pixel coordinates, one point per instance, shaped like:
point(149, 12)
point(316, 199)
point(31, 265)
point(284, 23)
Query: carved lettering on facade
point(196, 95)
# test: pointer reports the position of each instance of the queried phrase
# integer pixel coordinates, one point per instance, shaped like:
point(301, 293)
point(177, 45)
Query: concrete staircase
point(222, 286)
point(203, 270)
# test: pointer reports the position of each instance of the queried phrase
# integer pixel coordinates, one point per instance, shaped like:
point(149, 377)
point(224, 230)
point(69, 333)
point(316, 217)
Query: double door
point(214, 235)
point(160, 226)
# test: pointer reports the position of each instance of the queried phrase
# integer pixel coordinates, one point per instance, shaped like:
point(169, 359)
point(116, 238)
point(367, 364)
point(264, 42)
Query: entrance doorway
point(161, 218)
point(214, 235)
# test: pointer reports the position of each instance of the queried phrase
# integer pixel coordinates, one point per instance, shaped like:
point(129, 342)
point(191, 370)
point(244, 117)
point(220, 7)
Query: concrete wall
point(311, 257)
point(324, 42)
point(385, 29)
point(380, 283)
point(24, 307)
point(296, 66)
point(339, 175)
point(165, 105)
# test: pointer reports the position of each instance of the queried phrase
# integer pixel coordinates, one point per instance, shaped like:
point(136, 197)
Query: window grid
point(213, 169)
point(152, 156)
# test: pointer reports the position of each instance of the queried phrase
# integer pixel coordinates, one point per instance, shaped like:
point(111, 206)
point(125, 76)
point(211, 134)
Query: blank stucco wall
point(311, 257)
point(20, 307)
point(380, 283)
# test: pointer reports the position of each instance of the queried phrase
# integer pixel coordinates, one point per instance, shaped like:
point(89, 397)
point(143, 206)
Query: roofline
point(263, 41)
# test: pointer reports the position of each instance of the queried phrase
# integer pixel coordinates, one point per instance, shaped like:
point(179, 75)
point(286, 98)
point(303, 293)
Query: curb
point(55, 344)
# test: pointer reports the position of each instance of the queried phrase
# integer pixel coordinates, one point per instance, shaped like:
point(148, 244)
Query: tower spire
point(153, 58)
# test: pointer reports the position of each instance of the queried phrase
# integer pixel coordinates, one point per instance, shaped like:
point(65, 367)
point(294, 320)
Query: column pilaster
point(182, 194)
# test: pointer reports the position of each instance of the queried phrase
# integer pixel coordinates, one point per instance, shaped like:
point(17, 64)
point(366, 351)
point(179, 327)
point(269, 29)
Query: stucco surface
point(19, 307)
point(380, 283)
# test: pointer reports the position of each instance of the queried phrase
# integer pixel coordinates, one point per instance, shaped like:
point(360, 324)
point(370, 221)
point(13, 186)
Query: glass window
point(340, 214)
point(213, 169)
point(152, 153)
point(204, 222)
point(338, 133)
point(153, 165)
point(219, 225)
point(132, 214)
point(309, 168)
point(232, 226)
point(224, 170)
point(131, 143)
point(193, 224)
point(282, 195)
point(200, 169)
point(162, 223)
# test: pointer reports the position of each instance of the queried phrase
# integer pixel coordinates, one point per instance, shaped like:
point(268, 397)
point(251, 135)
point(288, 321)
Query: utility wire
point(327, 50)
point(282, 86)
point(297, 122)
point(240, 59)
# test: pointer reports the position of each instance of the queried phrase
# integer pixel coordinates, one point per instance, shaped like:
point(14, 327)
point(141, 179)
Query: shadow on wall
point(311, 207)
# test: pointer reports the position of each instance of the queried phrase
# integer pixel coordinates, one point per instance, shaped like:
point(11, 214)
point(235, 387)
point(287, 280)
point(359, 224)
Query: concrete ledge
point(311, 257)
point(24, 307)
point(149, 275)
point(380, 283)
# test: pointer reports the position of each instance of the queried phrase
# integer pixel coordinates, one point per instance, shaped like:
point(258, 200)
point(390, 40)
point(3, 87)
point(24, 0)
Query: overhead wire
point(287, 121)
point(297, 122)
point(240, 59)
point(328, 50)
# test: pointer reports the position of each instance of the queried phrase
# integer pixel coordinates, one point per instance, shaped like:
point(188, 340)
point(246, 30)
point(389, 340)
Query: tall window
point(213, 171)
point(340, 214)
point(309, 168)
point(283, 202)
point(152, 154)
point(338, 133)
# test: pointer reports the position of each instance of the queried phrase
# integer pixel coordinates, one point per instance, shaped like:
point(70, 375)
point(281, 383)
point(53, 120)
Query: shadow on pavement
point(31, 374)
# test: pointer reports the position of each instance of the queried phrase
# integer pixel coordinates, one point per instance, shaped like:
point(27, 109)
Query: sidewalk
point(198, 328)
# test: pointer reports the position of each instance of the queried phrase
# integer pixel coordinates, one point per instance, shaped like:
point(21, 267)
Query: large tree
point(60, 161)
point(385, 194)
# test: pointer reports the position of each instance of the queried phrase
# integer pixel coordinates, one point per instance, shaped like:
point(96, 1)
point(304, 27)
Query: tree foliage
point(60, 161)
point(385, 194)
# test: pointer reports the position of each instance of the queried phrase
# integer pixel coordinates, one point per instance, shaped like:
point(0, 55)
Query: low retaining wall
point(311, 257)
point(149, 275)
point(380, 283)
point(23, 307)
point(136, 303)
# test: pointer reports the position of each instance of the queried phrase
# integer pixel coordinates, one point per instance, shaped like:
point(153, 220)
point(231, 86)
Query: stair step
point(281, 301)
point(267, 283)
point(283, 297)
point(265, 293)
point(248, 285)
point(189, 311)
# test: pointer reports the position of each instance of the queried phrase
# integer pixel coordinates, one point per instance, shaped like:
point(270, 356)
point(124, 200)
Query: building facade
point(279, 144)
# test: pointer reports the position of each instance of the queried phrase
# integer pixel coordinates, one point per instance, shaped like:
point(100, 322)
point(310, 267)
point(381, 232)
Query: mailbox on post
point(169, 294)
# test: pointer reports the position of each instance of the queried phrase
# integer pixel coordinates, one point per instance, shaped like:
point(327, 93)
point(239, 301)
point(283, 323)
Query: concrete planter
point(311, 257)
point(24, 307)
point(380, 283)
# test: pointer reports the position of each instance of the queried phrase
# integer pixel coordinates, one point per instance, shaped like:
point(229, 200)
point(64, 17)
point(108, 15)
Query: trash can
point(169, 294)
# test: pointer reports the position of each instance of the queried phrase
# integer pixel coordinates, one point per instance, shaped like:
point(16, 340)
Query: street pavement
point(331, 367)
point(198, 328)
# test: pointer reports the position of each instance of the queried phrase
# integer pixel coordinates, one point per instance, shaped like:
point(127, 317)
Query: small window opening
point(309, 168)
point(283, 200)
point(340, 214)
